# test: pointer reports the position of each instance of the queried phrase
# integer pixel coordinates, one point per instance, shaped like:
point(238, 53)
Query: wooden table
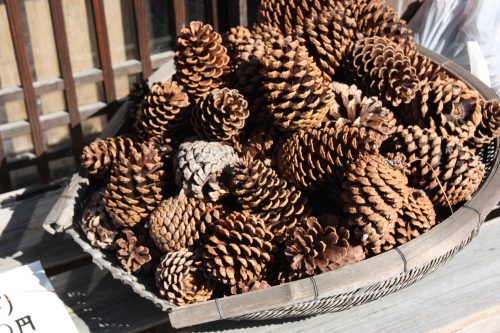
point(461, 296)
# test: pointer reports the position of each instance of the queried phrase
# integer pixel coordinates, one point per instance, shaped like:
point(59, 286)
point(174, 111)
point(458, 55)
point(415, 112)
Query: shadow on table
point(22, 237)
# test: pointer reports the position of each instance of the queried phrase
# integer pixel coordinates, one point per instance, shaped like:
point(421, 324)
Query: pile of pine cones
point(256, 166)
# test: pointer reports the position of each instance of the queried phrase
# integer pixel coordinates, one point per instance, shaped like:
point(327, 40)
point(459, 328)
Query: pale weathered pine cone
point(197, 163)
point(96, 224)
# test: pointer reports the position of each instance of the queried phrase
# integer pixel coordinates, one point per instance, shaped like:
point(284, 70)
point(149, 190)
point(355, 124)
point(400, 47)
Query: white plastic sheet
point(449, 26)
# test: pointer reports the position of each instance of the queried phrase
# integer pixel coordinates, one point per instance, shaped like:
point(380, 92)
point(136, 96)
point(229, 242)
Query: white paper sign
point(28, 303)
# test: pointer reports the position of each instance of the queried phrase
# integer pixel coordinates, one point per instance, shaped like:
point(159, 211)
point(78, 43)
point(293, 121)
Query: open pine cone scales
point(320, 246)
point(316, 138)
point(135, 186)
point(259, 189)
point(296, 93)
point(181, 278)
point(99, 156)
point(373, 193)
point(200, 59)
point(164, 112)
point(239, 250)
point(389, 70)
point(445, 169)
point(180, 222)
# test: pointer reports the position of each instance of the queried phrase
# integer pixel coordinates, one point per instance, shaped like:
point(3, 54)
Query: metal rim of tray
point(334, 291)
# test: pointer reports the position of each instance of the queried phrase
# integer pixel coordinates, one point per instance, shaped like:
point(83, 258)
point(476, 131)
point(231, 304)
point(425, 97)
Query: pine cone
point(417, 217)
point(382, 68)
point(99, 156)
point(180, 222)
point(199, 165)
point(181, 278)
point(296, 94)
point(135, 186)
point(375, 18)
point(221, 115)
point(260, 144)
point(248, 78)
point(96, 224)
point(258, 189)
point(358, 111)
point(136, 97)
point(453, 109)
point(239, 250)
point(320, 247)
point(447, 171)
point(165, 112)
point(289, 16)
point(329, 36)
point(132, 253)
point(309, 158)
point(236, 40)
point(489, 127)
point(200, 59)
point(373, 193)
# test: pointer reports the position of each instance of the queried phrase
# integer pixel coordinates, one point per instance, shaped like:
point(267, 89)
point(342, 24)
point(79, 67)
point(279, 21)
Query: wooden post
point(28, 89)
point(104, 51)
point(67, 75)
point(142, 38)
point(180, 15)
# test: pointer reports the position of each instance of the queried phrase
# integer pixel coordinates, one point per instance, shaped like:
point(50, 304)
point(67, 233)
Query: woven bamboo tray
point(334, 291)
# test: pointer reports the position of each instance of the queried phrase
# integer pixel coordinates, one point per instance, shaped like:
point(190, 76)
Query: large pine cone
point(489, 127)
point(289, 15)
point(236, 40)
point(99, 156)
point(446, 170)
point(181, 278)
point(416, 217)
point(319, 247)
point(260, 144)
point(329, 36)
point(451, 108)
point(259, 189)
point(318, 156)
point(296, 93)
point(247, 77)
point(380, 67)
point(132, 252)
point(165, 112)
point(373, 193)
point(96, 224)
point(135, 186)
point(199, 166)
point(200, 59)
point(358, 111)
point(375, 18)
point(239, 250)
point(180, 222)
point(221, 115)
